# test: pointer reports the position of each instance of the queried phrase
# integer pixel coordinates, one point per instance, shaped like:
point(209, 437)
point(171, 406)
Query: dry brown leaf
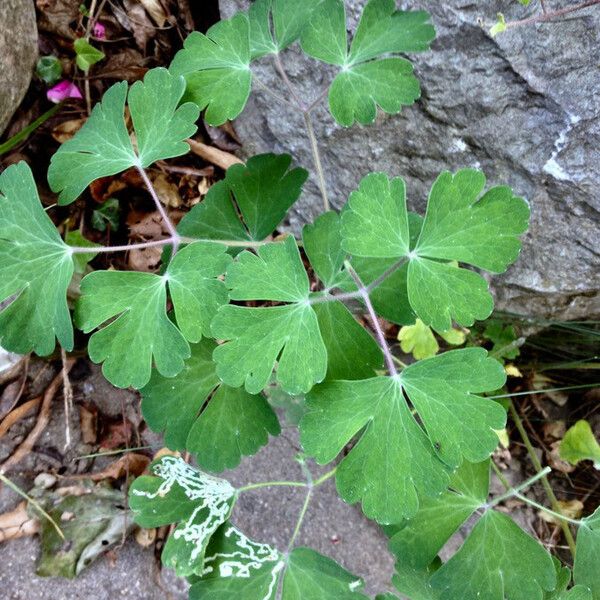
point(571, 509)
point(155, 10)
point(88, 422)
point(145, 259)
point(138, 23)
point(145, 537)
point(132, 463)
point(56, 16)
point(118, 435)
point(554, 430)
point(214, 155)
point(146, 226)
point(165, 452)
point(64, 131)
point(17, 523)
point(126, 64)
point(167, 191)
point(556, 462)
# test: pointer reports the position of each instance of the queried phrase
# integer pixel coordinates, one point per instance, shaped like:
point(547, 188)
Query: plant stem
point(551, 15)
point(325, 477)
point(164, 242)
point(532, 392)
point(303, 511)
point(264, 484)
point(547, 510)
point(390, 271)
point(363, 291)
point(306, 110)
point(275, 95)
point(538, 467)
point(316, 158)
point(512, 492)
point(175, 238)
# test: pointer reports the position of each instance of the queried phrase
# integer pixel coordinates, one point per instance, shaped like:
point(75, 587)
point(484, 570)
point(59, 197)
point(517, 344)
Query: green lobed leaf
point(36, 267)
point(394, 457)
point(312, 576)
point(131, 310)
point(261, 192)
point(261, 40)
point(368, 77)
point(258, 337)
point(238, 566)
point(290, 18)
point(235, 566)
point(178, 493)
point(418, 340)
point(586, 569)
point(498, 560)
point(216, 66)
point(418, 541)
point(102, 147)
point(580, 444)
point(86, 55)
point(219, 430)
point(459, 226)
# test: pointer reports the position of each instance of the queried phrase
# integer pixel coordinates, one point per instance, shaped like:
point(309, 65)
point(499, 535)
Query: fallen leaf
point(138, 23)
point(17, 523)
point(155, 10)
point(556, 462)
point(132, 464)
point(126, 64)
point(571, 509)
point(167, 191)
point(118, 435)
point(213, 155)
point(88, 423)
point(145, 537)
point(17, 414)
point(56, 16)
point(64, 131)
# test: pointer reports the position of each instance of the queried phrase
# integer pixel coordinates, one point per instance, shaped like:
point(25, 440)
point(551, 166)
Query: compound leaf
point(457, 227)
point(36, 267)
point(261, 40)
point(132, 306)
point(102, 147)
point(235, 566)
point(579, 444)
point(393, 457)
point(86, 54)
point(290, 18)
point(261, 191)
point(216, 66)
point(312, 576)
point(257, 337)
point(586, 570)
point(498, 560)
point(368, 77)
point(178, 493)
point(232, 424)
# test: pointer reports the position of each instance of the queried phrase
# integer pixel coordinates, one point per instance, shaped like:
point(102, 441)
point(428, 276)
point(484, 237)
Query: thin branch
point(389, 359)
point(512, 492)
point(551, 15)
point(288, 83)
point(175, 238)
point(390, 271)
point(271, 92)
point(265, 484)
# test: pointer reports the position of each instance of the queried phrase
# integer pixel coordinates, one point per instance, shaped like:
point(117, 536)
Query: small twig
point(43, 418)
point(271, 92)
point(543, 5)
point(362, 290)
point(67, 398)
point(551, 15)
point(15, 415)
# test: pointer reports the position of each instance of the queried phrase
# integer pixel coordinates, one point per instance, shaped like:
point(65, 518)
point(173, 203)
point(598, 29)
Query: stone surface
point(523, 107)
point(18, 52)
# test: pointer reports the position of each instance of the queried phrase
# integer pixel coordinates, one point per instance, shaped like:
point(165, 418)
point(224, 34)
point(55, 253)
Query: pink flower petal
point(63, 90)
point(99, 31)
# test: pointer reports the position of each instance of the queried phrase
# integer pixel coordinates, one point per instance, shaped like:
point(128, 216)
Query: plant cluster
point(232, 313)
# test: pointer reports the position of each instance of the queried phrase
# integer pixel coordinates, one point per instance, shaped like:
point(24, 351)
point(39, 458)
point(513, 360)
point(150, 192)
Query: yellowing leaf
point(418, 340)
point(580, 444)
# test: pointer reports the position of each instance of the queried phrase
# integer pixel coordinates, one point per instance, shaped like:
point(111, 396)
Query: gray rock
point(18, 49)
point(523, 107)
